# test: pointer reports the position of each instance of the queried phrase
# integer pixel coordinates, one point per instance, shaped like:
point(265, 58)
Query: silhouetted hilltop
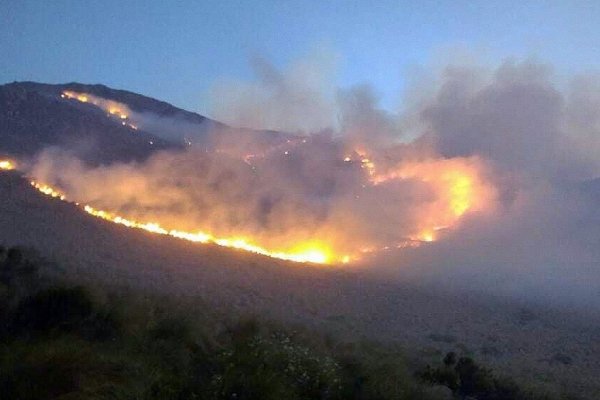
point(34, 117)
point(134, 101)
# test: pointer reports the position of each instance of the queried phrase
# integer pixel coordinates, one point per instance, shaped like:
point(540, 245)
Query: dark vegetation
point(60, 341)
point(466, 379)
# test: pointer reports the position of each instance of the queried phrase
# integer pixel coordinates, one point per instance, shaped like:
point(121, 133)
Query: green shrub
point(273, 366)
point(61, 343)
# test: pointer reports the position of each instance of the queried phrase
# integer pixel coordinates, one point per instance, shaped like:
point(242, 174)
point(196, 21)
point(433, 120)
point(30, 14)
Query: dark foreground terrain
point(160, 318)
point(61, 340)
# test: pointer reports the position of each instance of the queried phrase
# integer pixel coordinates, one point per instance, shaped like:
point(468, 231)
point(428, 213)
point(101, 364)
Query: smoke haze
point(484, 183)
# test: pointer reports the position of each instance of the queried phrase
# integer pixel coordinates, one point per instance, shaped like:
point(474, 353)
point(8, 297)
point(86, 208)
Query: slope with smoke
point(492, 167)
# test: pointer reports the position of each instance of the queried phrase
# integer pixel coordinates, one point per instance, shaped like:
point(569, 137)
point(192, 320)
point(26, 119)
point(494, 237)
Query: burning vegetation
point(306, 253)
point(420, 200)
point(316, 199)
point(113, 109)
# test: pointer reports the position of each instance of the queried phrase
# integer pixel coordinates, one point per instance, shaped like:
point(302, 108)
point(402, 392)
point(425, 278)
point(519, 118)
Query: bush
point(466, 379)
point(273, 367)
point(60, 310)
point(56, 346)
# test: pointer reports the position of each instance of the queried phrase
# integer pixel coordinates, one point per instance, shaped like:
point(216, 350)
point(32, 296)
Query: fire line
point(311, 253)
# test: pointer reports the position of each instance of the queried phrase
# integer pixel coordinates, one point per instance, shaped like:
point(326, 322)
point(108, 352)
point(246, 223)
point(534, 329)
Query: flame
point(312, 252)
point(454, 187)
point(7, 165)
point(110, 107)
point(47, 190)
point(458, 186)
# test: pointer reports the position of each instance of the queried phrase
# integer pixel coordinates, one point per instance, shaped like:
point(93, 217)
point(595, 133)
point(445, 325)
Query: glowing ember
point(6, 165)
point(458, 185)
point(120, 111)
point(47, 190)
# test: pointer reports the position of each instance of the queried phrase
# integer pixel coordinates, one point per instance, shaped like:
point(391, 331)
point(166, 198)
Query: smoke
point(175, 129)
point(484, 183)
point(542, 144)
point(298, 99)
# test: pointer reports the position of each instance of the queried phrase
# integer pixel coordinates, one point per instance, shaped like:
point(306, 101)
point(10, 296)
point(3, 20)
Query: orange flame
point(313, 252)
point(120, 111)
point(459, 188)
point(457, 185)
point(7, 165)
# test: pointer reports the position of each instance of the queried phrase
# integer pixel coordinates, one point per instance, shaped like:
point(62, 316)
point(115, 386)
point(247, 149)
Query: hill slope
point(344, 302)
point(34, 116)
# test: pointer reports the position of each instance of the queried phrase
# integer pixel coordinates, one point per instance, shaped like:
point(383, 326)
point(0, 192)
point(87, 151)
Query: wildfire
point(47, 190)
point(452, 187)
point(313, 252)
point(7, 165)
point(458, 185)
point(112, 108)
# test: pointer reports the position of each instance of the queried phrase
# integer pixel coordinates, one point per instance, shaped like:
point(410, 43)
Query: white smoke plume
point(495, 166)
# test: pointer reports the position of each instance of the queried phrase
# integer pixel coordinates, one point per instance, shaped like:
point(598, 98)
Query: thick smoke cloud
point(543, 145)
point(495, 165)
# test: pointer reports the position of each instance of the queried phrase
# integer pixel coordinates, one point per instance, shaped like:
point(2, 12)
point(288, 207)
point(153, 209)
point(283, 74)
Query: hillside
point(553, 348)
point(34, 116)
point(345, 303)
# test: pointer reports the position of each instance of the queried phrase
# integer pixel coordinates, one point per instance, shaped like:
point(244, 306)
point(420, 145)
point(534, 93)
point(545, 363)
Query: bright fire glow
point(458, 185)
point(112, 108)
point(313, 252)
point(454, 187)
point(6, 165)
point(47, 190)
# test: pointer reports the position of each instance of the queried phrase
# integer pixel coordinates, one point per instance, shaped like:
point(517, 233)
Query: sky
point(177, 51)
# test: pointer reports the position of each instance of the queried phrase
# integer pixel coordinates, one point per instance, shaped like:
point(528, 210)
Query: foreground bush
point(61, 342)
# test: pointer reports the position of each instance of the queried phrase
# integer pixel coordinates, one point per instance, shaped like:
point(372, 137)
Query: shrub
point(273, 366)
point(60, 309)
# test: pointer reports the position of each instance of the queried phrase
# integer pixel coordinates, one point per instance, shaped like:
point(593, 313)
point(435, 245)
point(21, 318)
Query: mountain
point(34, 116)
point(134, 101)
point(349, 303)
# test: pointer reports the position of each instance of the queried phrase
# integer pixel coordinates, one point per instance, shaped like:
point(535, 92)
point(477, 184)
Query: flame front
point(432, 193)
point(459, 188)
point(310, 253)
point(457, 184)
point(113, 109)
point(314, 252)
